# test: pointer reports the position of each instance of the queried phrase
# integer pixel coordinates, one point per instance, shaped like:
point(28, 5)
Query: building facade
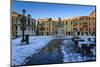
point(16, 23)
point(81, 25)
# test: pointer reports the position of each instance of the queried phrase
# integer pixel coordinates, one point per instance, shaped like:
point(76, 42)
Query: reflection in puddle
point(58, 51)
point(49, 54)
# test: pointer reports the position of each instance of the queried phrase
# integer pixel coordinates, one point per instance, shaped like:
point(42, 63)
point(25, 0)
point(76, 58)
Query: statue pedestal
point(60, 32)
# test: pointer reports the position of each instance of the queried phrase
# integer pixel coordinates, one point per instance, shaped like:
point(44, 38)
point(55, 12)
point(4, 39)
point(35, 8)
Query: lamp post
point(27, 36)
point(23, 21)
point(29, 16)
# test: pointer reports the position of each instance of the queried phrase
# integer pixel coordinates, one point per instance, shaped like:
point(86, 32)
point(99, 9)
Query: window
point(24, 28)
point(93, 29)
point(86, 33)
point(93, 23)
point(89, 23)
point(21, 28)
point(32, 23)
point(80, 23)
point(32, 29)
point(78, 33)
point(71, 33)
point(82, 18)
point(82, 33)
point(74, 29)
point(80, 29)
point(89, 18)
point(89, 29)
point(93, 18)
point(74, 23)
point(28, 21)
point(21, 20)
point(16, 28)
point(85, 24)
point(86, 29)
point(68, 33)
point(66, 23)
point(71, 22)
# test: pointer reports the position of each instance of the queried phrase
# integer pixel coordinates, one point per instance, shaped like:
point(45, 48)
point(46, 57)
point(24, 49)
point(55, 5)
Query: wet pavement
point(50, 54)
point(57, 51)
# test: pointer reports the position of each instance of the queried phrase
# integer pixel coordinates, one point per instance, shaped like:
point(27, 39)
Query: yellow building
point(46, 26)
point(13, 24)
point(81, 25)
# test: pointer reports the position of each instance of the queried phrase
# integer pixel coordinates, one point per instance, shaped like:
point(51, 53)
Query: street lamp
point(27, 36)
point(23, 21)
point(29, 16)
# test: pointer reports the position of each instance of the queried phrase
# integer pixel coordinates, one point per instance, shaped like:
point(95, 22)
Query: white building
point(29, 25)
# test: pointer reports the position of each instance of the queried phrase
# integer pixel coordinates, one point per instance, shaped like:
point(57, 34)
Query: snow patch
point(70, 57)
point(21, 52)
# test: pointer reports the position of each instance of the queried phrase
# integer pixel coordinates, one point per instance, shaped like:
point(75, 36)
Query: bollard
point(27, 39)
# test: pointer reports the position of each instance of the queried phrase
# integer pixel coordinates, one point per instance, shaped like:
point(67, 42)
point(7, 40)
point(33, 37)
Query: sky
point(51, 10)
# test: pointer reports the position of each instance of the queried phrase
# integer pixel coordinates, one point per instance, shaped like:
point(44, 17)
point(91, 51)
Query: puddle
point(50, 54)
point(57, 51)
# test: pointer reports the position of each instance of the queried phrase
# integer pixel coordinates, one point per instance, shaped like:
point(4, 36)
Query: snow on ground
point(87, 36)
point(21, 52)
point(73, 56)
point(70, 56)
point(94, 51)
